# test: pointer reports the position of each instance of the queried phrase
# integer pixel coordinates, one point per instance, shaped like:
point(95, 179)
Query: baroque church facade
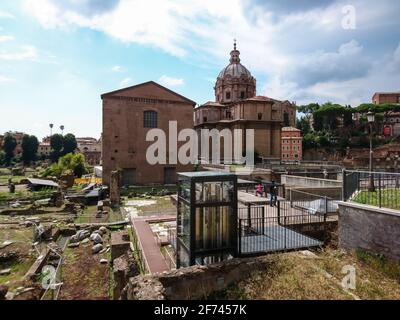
point(237, 106)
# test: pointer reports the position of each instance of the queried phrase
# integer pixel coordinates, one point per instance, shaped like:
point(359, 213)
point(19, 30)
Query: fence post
point(290, 196)
point(344, 185)
point(240, 237)
point(326, 208)
point(380, 190)
point(279, 211)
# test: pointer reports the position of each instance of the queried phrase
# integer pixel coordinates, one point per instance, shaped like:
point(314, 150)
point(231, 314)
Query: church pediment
point(149, 90)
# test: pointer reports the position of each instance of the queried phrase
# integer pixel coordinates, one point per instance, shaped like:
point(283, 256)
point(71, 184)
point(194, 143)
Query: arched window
point(150, 119)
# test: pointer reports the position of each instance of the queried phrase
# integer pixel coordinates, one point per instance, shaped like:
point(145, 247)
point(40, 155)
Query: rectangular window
point(150, 119)
point(228, 95)
point(242, 95)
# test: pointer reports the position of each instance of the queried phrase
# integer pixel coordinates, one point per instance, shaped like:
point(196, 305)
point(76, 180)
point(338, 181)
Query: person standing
point(272, 191)
point(259, 189)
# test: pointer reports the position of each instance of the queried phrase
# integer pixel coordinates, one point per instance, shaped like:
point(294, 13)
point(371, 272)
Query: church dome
point(234, 82)
point(234, 68)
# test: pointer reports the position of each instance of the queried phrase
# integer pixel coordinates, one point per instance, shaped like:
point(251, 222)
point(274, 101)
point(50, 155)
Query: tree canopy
point(9, 145)
point(62, 145)
point(29, 146)
point(69, 162)
point(69, 143)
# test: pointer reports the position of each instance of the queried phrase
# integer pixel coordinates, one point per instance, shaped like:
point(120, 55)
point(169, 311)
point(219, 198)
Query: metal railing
point(279, 228)
point(380, 189)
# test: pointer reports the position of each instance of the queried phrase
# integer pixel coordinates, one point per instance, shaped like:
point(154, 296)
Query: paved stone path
point(151, 252)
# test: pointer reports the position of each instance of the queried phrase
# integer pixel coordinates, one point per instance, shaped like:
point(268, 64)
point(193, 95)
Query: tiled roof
point(262, 98)
point(290, 129)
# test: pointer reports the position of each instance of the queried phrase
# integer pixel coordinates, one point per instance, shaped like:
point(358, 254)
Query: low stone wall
point(196, 282)
point(370, 228)
point(299, 181)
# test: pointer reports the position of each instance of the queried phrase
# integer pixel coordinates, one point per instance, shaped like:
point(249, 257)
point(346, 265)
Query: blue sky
point(58, 56)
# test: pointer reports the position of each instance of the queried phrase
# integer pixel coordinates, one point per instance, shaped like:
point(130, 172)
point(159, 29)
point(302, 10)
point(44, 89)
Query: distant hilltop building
point(91, 149)
point(386, 97)
point(292, 144)
point(237, 106)
point(392, 118)
point(44, 148)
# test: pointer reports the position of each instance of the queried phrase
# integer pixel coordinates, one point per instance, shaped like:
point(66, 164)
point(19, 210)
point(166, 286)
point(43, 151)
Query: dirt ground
point(83, 276)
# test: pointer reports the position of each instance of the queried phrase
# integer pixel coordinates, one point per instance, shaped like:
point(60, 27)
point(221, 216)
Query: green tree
point(29, 146)
point(9, 145)
point(309, 141)
point(70, 162)
point(78, 165)
point(308, 109)
point(56, 143)
point(303, 125)
point(69, 143)
point(2, 158)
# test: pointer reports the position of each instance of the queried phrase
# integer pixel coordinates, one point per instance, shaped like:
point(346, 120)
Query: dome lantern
point(234, 82)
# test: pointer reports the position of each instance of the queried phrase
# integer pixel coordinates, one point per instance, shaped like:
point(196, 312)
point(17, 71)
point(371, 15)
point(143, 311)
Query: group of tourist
point(271, 188)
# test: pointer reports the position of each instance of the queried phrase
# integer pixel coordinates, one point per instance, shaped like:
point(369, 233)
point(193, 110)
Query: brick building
point(392, 118)
point(292, 144)
point(386, 97)
point(91, 149)
point(128, 114)
point(44, 149)
point(237, 106)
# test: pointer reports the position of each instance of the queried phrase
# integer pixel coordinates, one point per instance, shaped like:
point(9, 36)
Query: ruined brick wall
point(369, 228)
point(194, 282)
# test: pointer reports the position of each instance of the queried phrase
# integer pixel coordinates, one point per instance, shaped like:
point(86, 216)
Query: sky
point(58, 56)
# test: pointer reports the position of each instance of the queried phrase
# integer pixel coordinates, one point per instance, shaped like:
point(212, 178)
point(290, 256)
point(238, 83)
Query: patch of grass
point(15, 179)
point(380, 263)
point(296, 276)
point(114, 215)
point(6, 197)
point(162, 205)
point(390, 198)
point(147, 189)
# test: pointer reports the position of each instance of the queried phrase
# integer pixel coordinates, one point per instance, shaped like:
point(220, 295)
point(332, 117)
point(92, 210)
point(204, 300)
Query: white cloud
point(4, 79)
point(26, 53)
point(125, 82)
point(6, 38)
point(299, 53)
point(171, 82)
point(116, 68)
point(4, 14)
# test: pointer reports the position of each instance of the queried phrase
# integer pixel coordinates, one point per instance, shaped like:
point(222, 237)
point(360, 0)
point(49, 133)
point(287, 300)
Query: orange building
point(292, 144)
point(386, 97)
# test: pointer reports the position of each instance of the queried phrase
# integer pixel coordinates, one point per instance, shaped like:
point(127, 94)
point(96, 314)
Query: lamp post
point(51, 129)
point(371, 120)
point(62, 129)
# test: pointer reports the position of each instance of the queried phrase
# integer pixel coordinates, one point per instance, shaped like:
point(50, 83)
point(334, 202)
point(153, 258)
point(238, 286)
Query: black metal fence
point(278, 228)
point(313, 203)
point(380, 189)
